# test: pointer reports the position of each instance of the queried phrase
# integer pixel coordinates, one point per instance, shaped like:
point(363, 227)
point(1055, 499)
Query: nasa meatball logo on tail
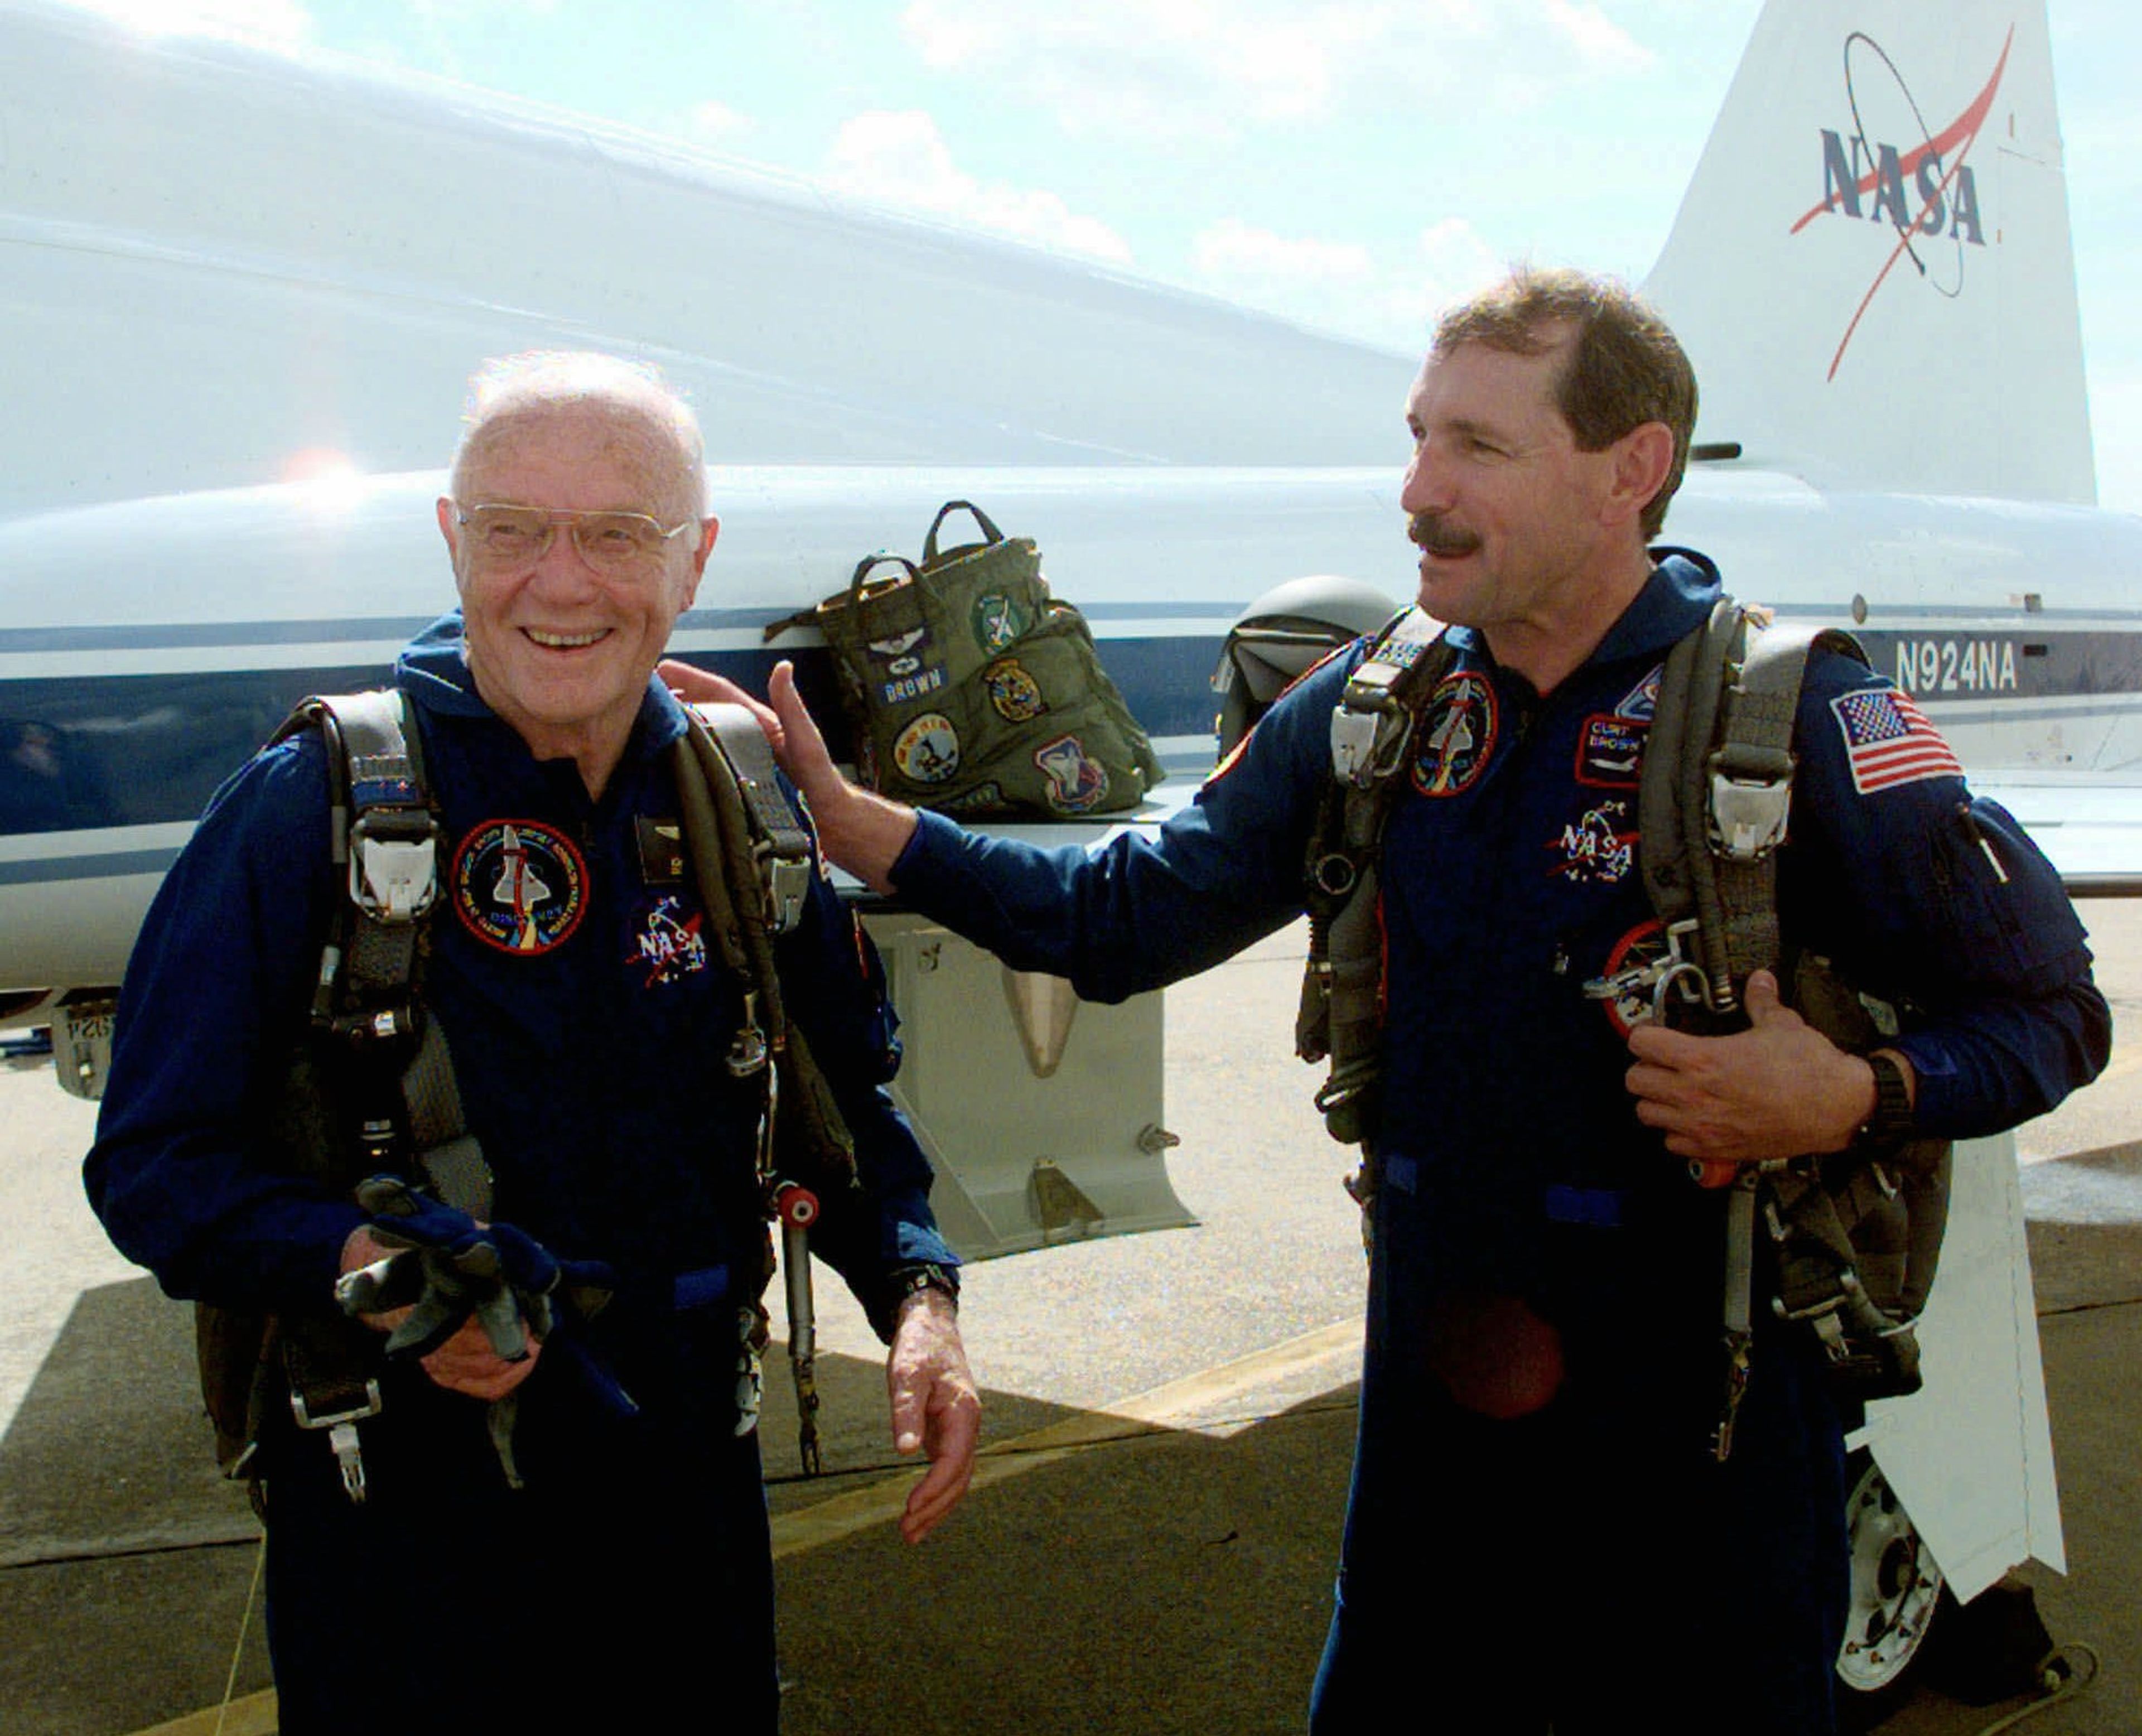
point(1917, 184)
point(1871, 268)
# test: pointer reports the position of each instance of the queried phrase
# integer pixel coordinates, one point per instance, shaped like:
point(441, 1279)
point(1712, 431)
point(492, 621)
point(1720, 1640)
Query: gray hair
point(652, 420)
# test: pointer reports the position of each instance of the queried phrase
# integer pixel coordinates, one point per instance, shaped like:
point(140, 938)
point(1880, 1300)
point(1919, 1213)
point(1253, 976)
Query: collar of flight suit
point(1676, 597)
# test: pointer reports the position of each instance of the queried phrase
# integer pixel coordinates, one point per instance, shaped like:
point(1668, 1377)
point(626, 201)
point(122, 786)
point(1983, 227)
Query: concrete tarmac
point(1150, 1545)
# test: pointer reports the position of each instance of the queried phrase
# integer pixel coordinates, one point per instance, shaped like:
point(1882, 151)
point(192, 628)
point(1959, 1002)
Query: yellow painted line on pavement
point(1330, 1352)
point(254, 1715)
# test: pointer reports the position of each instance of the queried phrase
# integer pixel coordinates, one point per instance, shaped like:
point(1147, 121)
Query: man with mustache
point(1538, 1517)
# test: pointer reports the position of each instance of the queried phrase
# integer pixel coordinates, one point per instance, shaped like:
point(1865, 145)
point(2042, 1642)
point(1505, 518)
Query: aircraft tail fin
point(1871, 268)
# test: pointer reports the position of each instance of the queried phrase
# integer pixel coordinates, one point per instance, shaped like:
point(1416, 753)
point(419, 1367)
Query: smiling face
point(561, 649)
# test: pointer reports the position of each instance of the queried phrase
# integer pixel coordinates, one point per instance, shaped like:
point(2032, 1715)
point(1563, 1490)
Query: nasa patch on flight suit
point(667, 942)
point(1609, 752)
point(1599, 847)
point(1456, 734)
point(519, 885)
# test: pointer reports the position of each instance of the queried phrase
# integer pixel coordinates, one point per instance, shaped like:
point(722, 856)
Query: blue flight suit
point(588, 1012)
point(1583, 1561)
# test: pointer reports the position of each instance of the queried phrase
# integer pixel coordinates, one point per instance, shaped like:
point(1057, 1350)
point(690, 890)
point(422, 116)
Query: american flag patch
point(1889, 741)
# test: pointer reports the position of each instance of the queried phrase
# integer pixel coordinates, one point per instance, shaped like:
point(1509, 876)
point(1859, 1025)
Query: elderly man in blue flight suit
point(1538, 1522)
point(578, 984)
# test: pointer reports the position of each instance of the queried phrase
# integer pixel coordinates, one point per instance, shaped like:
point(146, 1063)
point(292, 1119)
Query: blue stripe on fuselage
point(91, 752)
point(111, 865)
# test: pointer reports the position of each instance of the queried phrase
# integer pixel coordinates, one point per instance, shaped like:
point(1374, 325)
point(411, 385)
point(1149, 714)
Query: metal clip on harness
point(393, 864)
point(341, 1426)
point(1751, 795)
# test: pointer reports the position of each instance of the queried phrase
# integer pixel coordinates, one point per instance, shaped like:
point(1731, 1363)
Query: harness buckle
point(1751, 795)
point(393, 864)
point(787, 884)
point(341, 1434)
point(1353, 738)
point(1369, 731)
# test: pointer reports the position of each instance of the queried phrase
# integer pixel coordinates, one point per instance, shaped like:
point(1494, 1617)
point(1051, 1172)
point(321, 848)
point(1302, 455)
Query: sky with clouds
point(1350, 163)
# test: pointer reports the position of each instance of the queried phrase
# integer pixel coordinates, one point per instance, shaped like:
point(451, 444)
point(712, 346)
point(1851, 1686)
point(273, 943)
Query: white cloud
point(1600, 42)
point(897, 157)
point(714, 123)
point(1173, 69)
point(463, 11)
point(282, 23)
point(1342, 286)
point(1231, 248)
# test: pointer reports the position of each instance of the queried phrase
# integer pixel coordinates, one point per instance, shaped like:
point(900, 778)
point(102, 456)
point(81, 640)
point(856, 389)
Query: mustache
point(1428, 532)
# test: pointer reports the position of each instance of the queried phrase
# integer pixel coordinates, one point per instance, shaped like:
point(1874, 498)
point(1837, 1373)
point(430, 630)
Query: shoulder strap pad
point(1373, 721)
point(780, 846)
point(1716, 792)
point(382, 824)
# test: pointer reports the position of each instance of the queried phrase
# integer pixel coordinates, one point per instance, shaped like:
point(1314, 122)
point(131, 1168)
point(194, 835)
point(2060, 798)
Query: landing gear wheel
point(1897, 1594)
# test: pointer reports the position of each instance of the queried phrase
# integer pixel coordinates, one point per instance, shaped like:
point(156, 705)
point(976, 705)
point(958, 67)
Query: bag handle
point(820, 614)
point(991, 533)
point(857, 586)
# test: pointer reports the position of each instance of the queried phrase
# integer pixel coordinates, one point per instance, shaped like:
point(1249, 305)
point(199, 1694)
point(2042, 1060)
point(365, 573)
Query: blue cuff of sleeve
point(1944, 1103)
point(934, 838)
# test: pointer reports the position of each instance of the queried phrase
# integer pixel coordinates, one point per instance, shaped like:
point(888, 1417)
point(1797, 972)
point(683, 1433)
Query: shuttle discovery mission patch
point(1458, 735)
point(519, 886)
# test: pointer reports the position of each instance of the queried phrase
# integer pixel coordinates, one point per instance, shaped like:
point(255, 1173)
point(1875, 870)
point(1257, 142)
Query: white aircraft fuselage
point(242, 291)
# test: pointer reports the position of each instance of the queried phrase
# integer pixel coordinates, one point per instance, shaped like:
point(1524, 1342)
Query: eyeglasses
point(608, 541)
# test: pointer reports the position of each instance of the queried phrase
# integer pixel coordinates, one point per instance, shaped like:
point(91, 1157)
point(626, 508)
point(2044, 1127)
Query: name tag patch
point(1609, 752)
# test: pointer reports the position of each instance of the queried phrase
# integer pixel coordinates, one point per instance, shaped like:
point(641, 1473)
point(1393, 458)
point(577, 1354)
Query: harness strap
point(1722, 749)
point(1750, 779)
point(750, 857)
point(385, 843)
point(1713, 656)
point(1342, 991)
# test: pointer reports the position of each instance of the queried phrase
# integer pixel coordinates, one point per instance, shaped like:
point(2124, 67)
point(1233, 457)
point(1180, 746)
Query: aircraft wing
point(2093, 835)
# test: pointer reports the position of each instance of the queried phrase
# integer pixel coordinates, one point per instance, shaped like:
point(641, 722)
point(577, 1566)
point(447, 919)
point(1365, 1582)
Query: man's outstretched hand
point(858, 829)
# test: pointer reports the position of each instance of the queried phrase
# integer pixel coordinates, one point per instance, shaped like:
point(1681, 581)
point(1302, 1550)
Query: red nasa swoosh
point(1964, 127)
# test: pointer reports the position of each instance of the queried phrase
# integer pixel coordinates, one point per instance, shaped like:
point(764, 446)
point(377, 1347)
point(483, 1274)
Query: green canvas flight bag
point(972, 690)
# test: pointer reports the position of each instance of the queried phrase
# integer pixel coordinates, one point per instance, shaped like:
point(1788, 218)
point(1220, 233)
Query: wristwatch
point(922, 1274)
point(1890, 1124)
